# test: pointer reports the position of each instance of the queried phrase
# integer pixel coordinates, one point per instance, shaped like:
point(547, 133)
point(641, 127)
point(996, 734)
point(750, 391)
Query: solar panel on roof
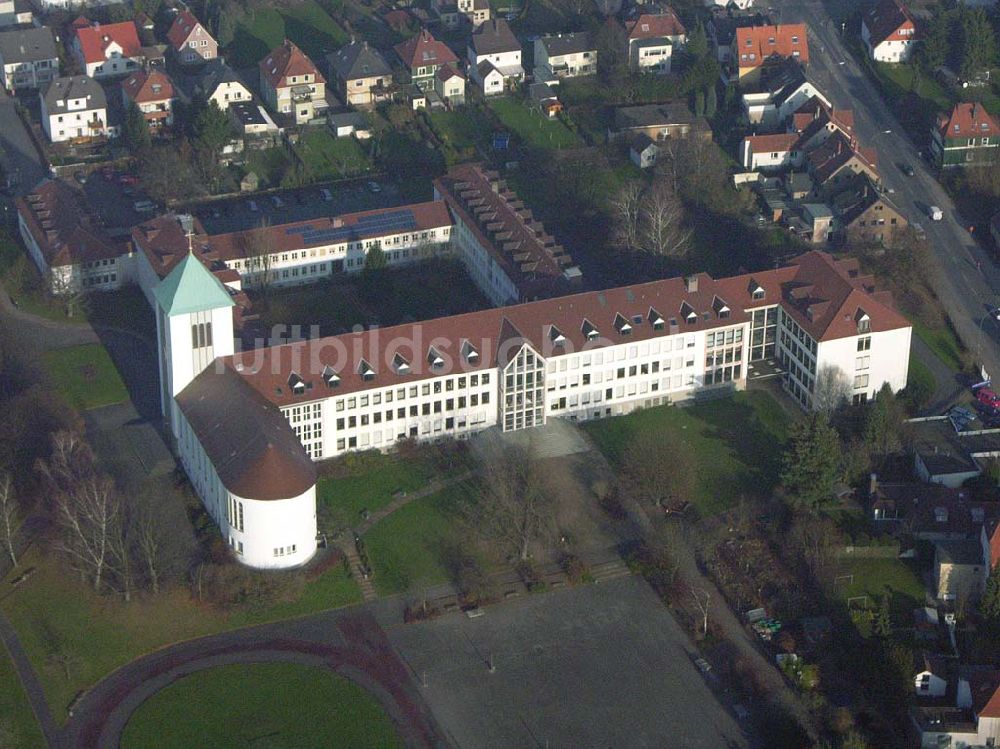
point(365, 226)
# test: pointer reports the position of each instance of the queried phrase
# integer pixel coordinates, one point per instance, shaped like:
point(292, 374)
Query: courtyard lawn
point(410, 548)
point(460, 128)
point(942, 341)
point(270, 165)
point(875, 577)
point(264, 28)
point(531, 126)
point(260, 704)
point(23, 283)
point(735, 443)
point(18, 727)
point(328, 157)
point(75, 637)
point(86, 376)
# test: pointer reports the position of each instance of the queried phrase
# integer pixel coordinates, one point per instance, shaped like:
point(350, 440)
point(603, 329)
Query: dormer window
point(622, 325)
point(366, 371)
point(721, 308)
point(434, 358)
point(656, 319)
point(400, 365)
point(296, 383)
point(864, 322)
point(330, 377)
point(469, 353)
point(756, 291)
point(589, 331)
point(556, 336)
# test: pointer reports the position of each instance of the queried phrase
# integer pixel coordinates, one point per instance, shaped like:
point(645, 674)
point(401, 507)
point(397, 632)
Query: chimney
point(691, 283)
point(872, 484)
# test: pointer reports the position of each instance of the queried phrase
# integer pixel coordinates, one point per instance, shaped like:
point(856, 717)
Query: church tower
point(194, 326)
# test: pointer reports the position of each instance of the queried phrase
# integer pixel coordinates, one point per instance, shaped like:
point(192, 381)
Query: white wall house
point(493, 49)
point(771, 152)
point(74, 108)
point(28, 58)
point(107, 50)
point(565, 56)
point(768, 109)
point(889, 32)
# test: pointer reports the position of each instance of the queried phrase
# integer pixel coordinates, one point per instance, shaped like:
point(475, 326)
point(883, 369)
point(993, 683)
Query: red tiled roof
point(181, 29)
point(653, 26)
point(886, 19)
point(446, 72)
point(287, 61)
point(764, 42)
point(59, 223)
point(164, 242)
point(825, 297)
point(827, 159)
point(967, 120)
point(145, 87)
point(992, 708)
point(424, 50)
point(96, 38)
point(770, 143)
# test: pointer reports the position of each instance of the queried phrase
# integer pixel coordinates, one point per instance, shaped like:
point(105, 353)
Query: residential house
point(930, 512)
point(363, 76)
point(449, 84)
point(721, 30)
point(254, 123)
point(784, 89)
point(74, 108)
point(493, 49)
point(835, 162)
point(960, 569)
point(190, 41)
point(565, 56)
point(815, 122)
point(944, 455)
point(755, 46)
point(153, 92)
point(107, 50)
point(818, 222)
point(776, 152)
point(889, 32)
point(454, 13)
point(798, 185)
point(28, 59)
point(659, 122)
point(931, 679)
point(67, 246)
point(291, 85)
point(422, 55)
point(16, 13)
point(974, 720)
point(343, 124)
point(220, 83)
point(865, 212)
point(643, 152)
point(966, 136)
point(651, 40)
point(543, 96)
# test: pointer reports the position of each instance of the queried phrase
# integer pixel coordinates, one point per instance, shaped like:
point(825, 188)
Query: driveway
point(968, 282)
point(20, 157)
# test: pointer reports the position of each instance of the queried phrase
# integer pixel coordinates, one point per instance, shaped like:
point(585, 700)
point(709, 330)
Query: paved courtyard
point(597, 666)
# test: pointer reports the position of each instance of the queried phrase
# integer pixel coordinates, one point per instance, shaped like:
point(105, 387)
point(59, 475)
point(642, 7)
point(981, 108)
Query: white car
point(935, 213)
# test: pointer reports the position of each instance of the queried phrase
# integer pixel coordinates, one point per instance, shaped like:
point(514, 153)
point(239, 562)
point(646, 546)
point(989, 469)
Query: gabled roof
point(63, 89)
point(776, 142)
point(182, 27)
point(827, 159)
point(27, 45)
point(248, 440)
point(857, 196)
point(191, 287)
point(885, 19)
point(447, 72)
point(493, 37)
point(656, 115)
point(148, 86)
point(765, 42)
point(358, 60)
point(95, 39)
point(567, 44)
point(215, 74)
point(285, 62)
point(967, 120)
point(655, 25)
point(424, 50)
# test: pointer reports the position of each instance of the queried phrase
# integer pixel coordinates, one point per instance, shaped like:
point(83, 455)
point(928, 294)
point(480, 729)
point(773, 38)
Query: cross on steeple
point(190, 236)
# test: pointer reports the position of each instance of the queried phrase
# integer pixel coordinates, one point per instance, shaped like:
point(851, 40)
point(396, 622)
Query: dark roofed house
point(28, 58)
point(493, 47)
point(659, 121)
point(363, 76)
point(565, 56)
point(889, 31)
point(865, 212)
point(422, 55)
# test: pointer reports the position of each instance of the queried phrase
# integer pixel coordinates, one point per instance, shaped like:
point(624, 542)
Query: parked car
point(374, 187)
point(278, 202)
point(935, 213)
point(128, 179)
point(80, 176)
point(252, 205)
point(988, 398)
point(906, 169)
point(326, 195)
point(995, 313)
point(918, 229)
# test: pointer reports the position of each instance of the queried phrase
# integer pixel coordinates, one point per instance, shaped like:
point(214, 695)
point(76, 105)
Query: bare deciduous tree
point(513, 507)
point(10, 517)
point(627, 206)
point(663, 231)
point(257, 247)
point(832, 388)
point(658, 468)
point(90, 518)
point(701, 600)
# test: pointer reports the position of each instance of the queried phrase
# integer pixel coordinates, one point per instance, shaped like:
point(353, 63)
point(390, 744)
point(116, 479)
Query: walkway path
point(29, 680)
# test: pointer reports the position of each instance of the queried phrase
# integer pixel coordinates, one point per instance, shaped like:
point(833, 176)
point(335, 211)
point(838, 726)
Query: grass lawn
point(22, 281)
point(263, 29)
point(898, 79)
point(75, 637)
point(735, 443)
point(86, 376)
point(531, 126)
point(270, 165)
point(460, 130)
point(260, 704)
point(18, 727)
point(942, 341)
point(874, 577)
point(125, 308)
point(328, 157)
point(410, 547)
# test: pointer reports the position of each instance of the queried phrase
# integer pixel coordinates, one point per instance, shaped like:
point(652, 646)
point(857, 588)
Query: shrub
point(575, 568)
point(232, 585)
point(330, 559)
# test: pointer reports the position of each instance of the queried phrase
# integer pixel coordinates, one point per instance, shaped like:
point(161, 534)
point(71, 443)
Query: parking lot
point(114, 197)
point(300, 204)
point(595, 666)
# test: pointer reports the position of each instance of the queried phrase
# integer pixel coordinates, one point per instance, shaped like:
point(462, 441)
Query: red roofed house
point(967, 135)
point(770, 152)
point(753, 46)
point(107, 50)
point(153, 92)
point(840, 158)
point(651, 39)
point(190, 41)
point(889, 32)
point(72, 253)
point(422, 55)
point(450, 85)
point(291, 84)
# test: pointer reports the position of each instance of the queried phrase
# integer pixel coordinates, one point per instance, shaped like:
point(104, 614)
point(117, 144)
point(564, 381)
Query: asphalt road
point(969, 282)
